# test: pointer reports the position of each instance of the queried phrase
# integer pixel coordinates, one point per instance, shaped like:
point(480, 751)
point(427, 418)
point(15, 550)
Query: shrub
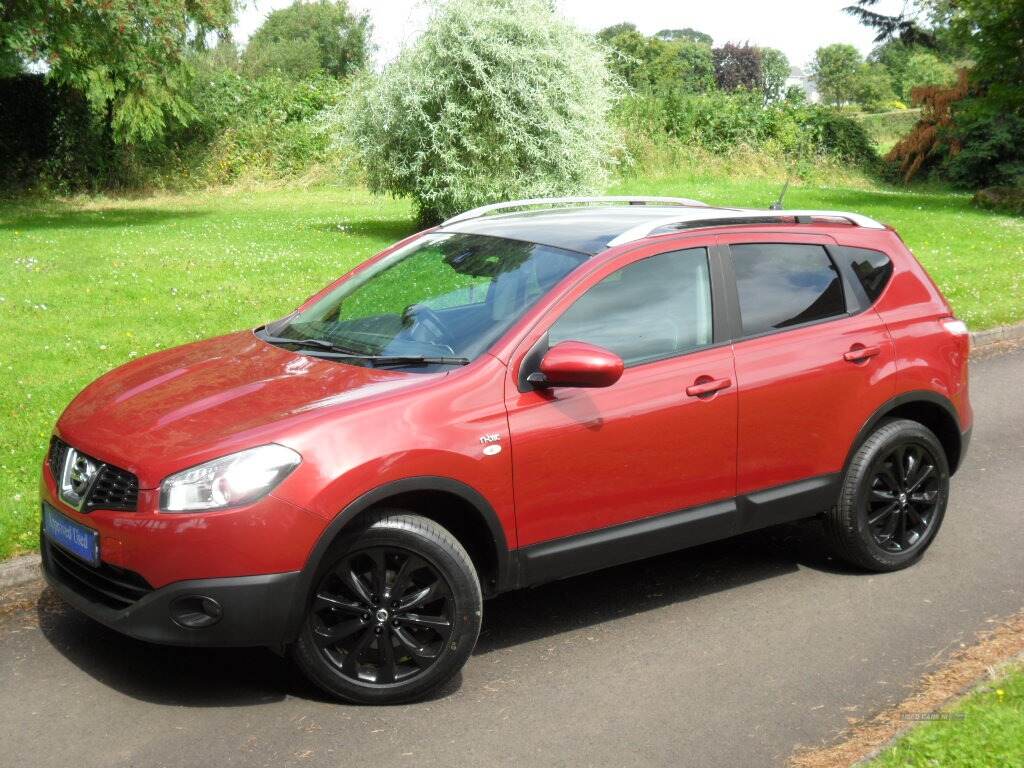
point(720, 122)
point(270, 128)
point(984, 146)
point(497, 99)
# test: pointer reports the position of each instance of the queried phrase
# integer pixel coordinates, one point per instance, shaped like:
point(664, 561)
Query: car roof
point(594, 228)
point(587, 230)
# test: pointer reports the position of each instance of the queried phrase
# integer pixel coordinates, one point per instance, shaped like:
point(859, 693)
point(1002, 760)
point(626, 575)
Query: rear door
point(812, 364)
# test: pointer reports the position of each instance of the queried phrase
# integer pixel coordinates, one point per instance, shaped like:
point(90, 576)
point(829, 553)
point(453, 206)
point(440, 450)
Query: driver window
point(655, 308)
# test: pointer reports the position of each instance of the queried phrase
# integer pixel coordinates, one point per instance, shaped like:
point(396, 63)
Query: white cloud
point(797, 27)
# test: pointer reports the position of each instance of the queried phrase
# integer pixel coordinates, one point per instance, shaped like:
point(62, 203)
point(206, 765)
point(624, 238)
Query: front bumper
point(254, 610)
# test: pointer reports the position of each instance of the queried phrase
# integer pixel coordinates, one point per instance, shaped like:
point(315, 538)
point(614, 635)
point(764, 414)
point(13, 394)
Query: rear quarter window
point(870, 269)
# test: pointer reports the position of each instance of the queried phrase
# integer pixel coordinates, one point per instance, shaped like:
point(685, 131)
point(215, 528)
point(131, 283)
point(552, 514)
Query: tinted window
point(781, 285)
point(872, 269)
point(654, 308)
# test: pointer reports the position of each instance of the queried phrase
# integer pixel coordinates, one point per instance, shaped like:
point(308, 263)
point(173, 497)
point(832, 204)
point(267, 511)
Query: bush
point(497, 99)
point(720, 122)
point(983, 146)
point(266, 129)
point(1008, 199)
point(270, 128)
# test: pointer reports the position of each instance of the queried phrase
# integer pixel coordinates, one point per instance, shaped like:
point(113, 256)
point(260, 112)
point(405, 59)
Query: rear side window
point(651, 309)
point(783, 284)
point(871, 268)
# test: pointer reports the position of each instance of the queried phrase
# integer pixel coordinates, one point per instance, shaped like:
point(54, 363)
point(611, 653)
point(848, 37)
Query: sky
point(796, 27)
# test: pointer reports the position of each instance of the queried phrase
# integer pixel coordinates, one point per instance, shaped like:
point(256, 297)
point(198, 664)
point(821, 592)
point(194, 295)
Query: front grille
point(109, 585)
point(58, 448)
point(113, 488)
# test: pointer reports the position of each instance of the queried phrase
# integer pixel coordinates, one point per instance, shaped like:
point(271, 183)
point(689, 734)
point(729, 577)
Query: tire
point(881, 477)
point(429, 614)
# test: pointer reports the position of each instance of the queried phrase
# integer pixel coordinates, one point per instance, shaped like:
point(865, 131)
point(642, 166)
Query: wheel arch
point(453, 504)
point(925, 407)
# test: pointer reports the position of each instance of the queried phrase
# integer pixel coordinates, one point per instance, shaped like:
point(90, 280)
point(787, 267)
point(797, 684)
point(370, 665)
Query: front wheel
point(893, 498)
point(394, 612)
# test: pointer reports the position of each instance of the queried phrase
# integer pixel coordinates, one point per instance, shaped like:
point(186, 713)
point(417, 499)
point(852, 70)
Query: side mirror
point(577, 364)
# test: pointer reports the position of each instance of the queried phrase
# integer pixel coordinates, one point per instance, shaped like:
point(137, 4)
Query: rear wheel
point(394, 612)
point(893, 498)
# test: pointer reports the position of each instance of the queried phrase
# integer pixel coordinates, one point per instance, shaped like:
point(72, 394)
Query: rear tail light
point(955, 327)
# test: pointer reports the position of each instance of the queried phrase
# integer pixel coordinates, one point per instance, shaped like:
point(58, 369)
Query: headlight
point(232, 480)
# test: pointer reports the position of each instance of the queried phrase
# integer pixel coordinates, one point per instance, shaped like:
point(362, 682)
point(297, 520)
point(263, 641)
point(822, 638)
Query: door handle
point(705, 385)
point(859, 353)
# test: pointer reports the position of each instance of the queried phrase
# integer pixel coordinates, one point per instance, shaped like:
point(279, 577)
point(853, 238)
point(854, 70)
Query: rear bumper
point(254, 610)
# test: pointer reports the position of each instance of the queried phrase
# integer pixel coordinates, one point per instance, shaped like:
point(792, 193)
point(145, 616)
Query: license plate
point(79, 540)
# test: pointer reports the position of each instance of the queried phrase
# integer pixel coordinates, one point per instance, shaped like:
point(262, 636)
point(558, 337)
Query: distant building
point(802, 80)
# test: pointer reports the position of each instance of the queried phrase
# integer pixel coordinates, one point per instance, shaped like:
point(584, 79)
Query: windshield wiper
point(416, 360)
point(324, 348)
point(315, 343)
point(388, 360)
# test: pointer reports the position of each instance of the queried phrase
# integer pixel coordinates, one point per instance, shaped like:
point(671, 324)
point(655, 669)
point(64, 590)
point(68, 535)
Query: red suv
point(509, 398)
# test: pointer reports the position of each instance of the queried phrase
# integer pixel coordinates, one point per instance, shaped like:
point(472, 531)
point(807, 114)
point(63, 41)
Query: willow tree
point(497, 99)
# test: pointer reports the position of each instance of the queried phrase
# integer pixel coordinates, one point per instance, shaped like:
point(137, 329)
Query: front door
point(662, 439)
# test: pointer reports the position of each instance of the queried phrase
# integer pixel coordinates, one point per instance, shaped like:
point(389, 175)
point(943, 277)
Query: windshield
point(450, 295)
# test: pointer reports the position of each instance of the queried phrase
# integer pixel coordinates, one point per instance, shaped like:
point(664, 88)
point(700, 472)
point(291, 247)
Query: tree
point(608, 33)
point(924, 68)
point(873, 88)
point(654, 64)
point(693, 35)
point(682, 65)
point(908, 26)
point(129, 58)
point(992, 31)
point(836, 69)
point(631, 56)
point(738, 66)
point(309, 37)
point(497, 99)
point(774, 73)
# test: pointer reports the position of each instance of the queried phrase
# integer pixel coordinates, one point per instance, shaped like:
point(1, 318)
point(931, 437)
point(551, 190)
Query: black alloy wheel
point(903, 499)
point(393, 613)
point(383, 615)
point(892, 498)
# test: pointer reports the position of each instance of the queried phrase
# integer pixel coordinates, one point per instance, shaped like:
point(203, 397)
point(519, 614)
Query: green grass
point(986, 730)
point(87, 285)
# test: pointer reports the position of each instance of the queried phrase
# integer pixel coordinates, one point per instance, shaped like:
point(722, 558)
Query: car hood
point(185, 405)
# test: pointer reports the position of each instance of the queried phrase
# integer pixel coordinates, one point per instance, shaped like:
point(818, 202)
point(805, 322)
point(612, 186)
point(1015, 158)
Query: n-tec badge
point(491, 438)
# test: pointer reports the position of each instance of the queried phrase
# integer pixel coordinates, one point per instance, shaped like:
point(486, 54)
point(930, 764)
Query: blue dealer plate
point(80, 541)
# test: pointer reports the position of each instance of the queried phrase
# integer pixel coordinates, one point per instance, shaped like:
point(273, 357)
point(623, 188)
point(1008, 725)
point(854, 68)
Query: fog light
point(195, 612)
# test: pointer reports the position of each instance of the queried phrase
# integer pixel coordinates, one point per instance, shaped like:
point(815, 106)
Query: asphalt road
point(730, 654)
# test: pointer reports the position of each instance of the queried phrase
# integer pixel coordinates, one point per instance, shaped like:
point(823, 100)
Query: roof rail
point(631, 199)
point(722, 216)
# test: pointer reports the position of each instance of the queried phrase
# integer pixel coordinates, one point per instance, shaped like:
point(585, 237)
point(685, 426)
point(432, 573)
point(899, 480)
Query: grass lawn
point(986, 729)
point(87, 285)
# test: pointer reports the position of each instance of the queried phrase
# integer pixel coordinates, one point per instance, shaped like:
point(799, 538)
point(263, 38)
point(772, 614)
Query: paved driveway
point(730, 654)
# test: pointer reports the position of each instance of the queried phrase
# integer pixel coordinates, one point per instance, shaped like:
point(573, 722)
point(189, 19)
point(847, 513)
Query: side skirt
point(640, 539)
